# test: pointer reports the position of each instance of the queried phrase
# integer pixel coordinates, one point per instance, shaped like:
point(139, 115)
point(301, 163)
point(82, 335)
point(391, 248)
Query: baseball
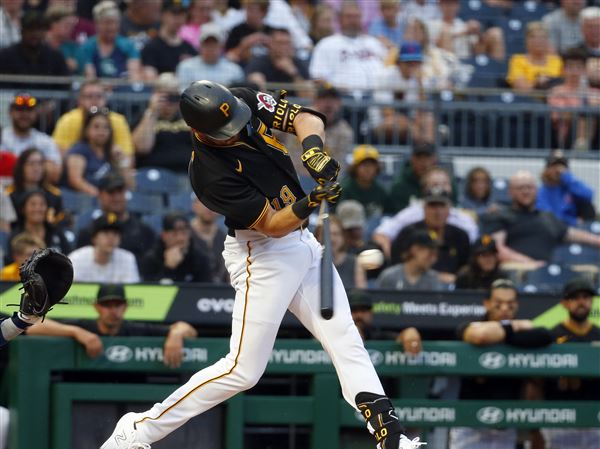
point(370, 259)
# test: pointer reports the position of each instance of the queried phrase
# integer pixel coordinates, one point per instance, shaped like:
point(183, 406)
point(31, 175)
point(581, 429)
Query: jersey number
point(286, 196)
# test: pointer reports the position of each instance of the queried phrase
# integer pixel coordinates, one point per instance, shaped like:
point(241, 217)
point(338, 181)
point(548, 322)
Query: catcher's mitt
point(47, 277)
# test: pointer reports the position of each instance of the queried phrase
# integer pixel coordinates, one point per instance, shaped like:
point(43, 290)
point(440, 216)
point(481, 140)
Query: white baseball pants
point(270, 276)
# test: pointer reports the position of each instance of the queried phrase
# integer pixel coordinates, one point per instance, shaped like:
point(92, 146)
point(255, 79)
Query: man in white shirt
point(210, 64)
point(21, 135)
point(350, 59)
point(104, 261)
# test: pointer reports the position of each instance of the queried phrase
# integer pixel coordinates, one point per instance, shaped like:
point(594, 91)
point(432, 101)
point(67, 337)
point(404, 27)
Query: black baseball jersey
point(242, 180)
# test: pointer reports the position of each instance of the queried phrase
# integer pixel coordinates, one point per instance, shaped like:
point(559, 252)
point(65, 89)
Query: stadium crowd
point(110, 189)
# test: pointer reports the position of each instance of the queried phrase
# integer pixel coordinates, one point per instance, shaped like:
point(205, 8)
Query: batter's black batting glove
point(321, 167)
point(329, 192)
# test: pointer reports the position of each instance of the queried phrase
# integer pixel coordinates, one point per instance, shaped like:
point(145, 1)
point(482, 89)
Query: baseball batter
point(239, 169)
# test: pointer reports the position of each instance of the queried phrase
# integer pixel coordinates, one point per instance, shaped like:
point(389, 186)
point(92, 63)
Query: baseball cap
point(577, 285)
point(112, 181)
point(110, 292)
point(410, 52)
point(327, 90)
point(485, 244)
point(557, 157)
point(359, 299)
point(23, 101)
point(210, 30)
point(351, 214)
point(175, 6)
point(171, 221)
point(426, 149)
point(364, 152)
point(424, 238)
point(437, 195)
point(106, 222)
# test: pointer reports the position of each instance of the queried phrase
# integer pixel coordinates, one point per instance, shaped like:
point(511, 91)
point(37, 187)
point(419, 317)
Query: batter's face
point(220, 143)
point(579, 306)
point(502, 305)
point(111, 313)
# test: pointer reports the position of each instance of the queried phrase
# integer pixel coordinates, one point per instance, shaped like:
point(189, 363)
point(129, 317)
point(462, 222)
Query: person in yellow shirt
point(534, 69)
point(23, 246)
point(68, 128)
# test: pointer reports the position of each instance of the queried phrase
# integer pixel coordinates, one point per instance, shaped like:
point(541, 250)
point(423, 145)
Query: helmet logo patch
point(266, 101)
point(224, 108)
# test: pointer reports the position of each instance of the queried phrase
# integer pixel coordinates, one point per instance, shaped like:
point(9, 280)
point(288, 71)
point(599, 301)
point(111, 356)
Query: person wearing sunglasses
point(162, 138)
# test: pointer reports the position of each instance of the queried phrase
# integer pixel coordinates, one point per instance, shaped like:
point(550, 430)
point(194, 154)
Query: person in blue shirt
point(561, 193)
point(387, 27)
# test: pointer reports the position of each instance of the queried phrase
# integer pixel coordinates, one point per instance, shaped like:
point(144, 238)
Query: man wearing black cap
point(163, 52)
point(31, 55)
point(176, 256)
point(414, 273)
point(562, 193)
point(577, 298)
point(483, 268)
point(136, 235)
point(454, 246)
point(103, 260)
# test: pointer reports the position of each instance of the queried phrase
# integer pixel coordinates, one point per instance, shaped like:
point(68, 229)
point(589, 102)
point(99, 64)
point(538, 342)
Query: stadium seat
point(144, 203)
point(77, 202)
point(156, 180)
point(529, 10)
point(480, 11)
point(181, 202)
point(500, 191)
point(514, 34)
point(85, 218)
point(487, 72)
point(154, 221)
point(576, 254)
point(549, 278)
point(590, 226)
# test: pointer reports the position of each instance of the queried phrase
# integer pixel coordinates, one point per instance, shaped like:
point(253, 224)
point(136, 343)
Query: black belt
point(231, 232)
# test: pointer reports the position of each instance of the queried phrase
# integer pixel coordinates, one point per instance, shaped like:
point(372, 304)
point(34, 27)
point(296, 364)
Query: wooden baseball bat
point(326, 264)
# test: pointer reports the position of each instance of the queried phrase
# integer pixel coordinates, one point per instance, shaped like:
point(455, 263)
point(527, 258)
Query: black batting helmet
point(212, 109)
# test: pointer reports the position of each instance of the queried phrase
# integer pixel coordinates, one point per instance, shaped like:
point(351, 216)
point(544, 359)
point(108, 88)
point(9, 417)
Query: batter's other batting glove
point(329, 192)
point(321, 167)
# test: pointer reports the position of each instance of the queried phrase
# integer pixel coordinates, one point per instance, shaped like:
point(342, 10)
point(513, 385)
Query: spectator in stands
point(352, 217)
point(109, 54)
point(361, 182)
point(280, 65)
point(561, 193)
point(425, 10)
point(210, 238)
point(361, 307)
point(539, 66)
point(435, 178)
point(323, 23)
point(21, 134)
point(162, 53)
point(176, 257)
point(162, 138)
point(84, 26)
point(525, 234)
point(61, 23)
point(141, 21)
point(103, 260)
point(33, 208)
point(10, 22)
point(402, 82)
point(92, 94)
point(498, 326)
point(210, 63)
point(94, 155)
point(564, 26)
point(477, 195)
point(388, 28)
point(414, 270)
point(200, 13)
point(249, 38)
point(464, 39)
point(577, 299)
point(590, 31)
point(407, 186)
point(31, 56)
point(349, 59)
point(351, 272)
point(22, 247)
point(483, 267)
point(29, 173)
point(453, 242)
point(137, 237)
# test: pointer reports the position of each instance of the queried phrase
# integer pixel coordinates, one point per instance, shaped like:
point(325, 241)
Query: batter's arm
point(307, 124)
point(278, 223)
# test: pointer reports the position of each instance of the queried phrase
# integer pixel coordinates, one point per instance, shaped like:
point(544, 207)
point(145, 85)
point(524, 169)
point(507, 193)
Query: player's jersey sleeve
point(273, 109)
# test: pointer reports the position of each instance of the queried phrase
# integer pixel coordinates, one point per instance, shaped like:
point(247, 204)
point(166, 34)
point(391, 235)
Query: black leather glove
point(329, 192)
point(321, 167)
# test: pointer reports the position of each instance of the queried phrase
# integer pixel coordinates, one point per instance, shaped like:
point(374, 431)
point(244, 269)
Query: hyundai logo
point(490, 415)
point(492, 360)
point(119, 354)
point(376, 357)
